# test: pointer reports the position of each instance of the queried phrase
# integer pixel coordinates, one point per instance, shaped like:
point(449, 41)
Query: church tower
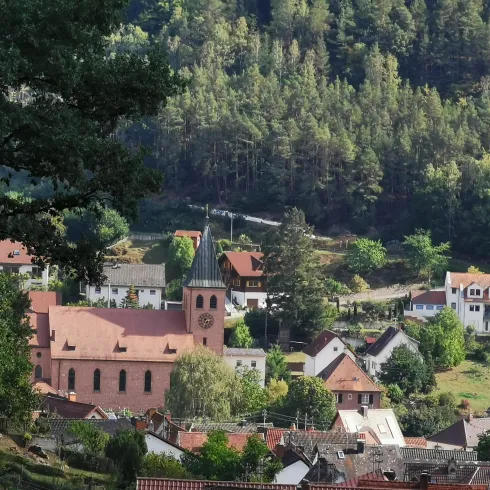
point(204, 296)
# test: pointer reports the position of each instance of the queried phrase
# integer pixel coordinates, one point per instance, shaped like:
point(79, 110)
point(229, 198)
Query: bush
point(27, 438)
point(358, 284)
point(334, 287)
point(86, 461)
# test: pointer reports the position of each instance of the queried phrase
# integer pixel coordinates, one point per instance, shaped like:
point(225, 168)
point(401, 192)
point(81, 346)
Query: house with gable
point(195, 236)
point(15, 259)
point(381, 350)
point(148, 280)
point(122, 358)
point(351, 386)
point(323, 351)
point(243, 274)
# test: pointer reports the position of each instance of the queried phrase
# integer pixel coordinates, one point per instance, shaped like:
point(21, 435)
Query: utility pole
point(267, 305)
point(231, 228)
point(109, 296)
point(306, 420)
point(264, 414)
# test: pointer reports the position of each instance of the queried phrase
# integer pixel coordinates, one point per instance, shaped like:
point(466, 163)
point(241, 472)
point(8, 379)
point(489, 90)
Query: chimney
point(360, 446)
point(72, 396)
point(424, 480)
point(280, 450)
point(469, 418)
point(168, 415)
point(364, 411)
point(293, 427)
point(140, 424)
point(150, 412)
point(310, 428)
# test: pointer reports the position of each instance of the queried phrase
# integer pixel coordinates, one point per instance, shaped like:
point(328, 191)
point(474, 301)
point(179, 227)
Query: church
point(122, 358)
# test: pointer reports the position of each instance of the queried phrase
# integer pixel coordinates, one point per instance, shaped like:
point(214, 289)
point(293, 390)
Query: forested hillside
point(364, 113)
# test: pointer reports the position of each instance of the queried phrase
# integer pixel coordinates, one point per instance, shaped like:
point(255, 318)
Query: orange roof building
point(351, 386)
point(243, 273)
point(195, 236)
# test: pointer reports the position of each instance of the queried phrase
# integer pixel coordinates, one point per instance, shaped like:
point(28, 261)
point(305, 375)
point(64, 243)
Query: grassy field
point(469, 381)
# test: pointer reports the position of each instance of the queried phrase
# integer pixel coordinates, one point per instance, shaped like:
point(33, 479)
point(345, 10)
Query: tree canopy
point(17, 399)
point(240, 337)
point(292, 270)
point(181, 255)
point(59, 116)
point(366, 255)
point(407, 370)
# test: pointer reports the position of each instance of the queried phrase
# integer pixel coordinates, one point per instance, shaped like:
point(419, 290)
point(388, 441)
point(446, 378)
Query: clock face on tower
point(206, 320)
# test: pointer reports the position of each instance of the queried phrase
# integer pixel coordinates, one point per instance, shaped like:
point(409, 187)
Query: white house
point(381, 350)
point(323, 351)
point(295, 466)
point(425, 304)
point(252, 358)
point(158, 445)
point(148, 279)
point(15, 259)
point(468, 294)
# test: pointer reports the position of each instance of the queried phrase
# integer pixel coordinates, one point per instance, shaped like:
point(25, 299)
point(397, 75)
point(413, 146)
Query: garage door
point(253, 303)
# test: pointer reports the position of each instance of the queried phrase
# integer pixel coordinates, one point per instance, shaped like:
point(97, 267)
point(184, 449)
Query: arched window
point(199, 302)
point(71, 379)
point(97, 380)
point(213, 302)
point(148, 382)
point(38, 372)
point(122, 380)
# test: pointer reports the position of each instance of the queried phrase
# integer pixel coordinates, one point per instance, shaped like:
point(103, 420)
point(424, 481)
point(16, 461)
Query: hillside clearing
point(468, 381)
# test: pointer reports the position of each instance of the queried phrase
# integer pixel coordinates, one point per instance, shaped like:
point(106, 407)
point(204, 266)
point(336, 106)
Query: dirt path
point(379, 294)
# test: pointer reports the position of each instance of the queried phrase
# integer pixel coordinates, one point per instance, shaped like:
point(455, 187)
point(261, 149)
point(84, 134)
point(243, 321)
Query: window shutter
point(340, 397)
point(359, 398)
point(371, 399)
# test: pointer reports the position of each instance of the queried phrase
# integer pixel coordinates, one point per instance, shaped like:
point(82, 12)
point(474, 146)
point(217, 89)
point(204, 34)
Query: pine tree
point(131, 299)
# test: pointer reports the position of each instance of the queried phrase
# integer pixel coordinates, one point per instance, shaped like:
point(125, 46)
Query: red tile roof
point(43, 388)
point(465, 279)
point(193, 441)
point(42, 300)
point(343, 374)
point(429, 297)
point(7, 253)
point(172, 484)
point(320, 343)
point(96, 332)
point(67, 409)
point(189, 233)
point(273, 437)
point(415, 442)
point(246, 264)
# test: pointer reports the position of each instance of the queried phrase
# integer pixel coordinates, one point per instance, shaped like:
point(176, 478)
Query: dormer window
point(122, 346)
point(17, 252)
point(70, 345)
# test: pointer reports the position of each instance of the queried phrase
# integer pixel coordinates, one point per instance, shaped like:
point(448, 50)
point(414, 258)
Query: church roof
point(118, 334)
point(205, 271)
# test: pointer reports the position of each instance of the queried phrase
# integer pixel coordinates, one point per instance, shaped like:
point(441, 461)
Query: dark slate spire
point(205, 271)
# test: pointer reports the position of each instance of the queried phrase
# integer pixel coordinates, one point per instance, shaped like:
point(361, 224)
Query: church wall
point(44, 361)
point(215, 335)
point(109, 397)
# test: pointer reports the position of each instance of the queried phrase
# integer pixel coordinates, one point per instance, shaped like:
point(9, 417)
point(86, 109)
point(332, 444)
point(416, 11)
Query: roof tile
point(422, 297)
point(139, 275)
point(320, 343)
point(246, 264)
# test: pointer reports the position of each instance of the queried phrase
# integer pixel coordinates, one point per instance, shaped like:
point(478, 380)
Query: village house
point(463, 434)
point(352, 387)
point(466, 293)
point(122, 358)
point(426, 304)
point(323, 351)
point(248, 358)
point(14, 259)
point(244, 276)
point(148, 280)
point(377, 426)
point(195, 236)
point(381, 350)
point(69, 408)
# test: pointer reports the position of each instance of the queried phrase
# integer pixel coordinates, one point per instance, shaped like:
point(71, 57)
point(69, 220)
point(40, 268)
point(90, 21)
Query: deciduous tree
point(276, 365)
point(366, 256)
point(181, 255)
point(240, 337)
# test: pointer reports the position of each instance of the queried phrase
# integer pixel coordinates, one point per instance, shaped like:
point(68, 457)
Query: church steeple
point(205, 271)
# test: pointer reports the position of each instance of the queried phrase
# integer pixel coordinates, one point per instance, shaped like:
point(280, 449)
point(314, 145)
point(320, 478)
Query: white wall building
point(148, 280)
point(425, 304)
point(159, 445)
point(15, 259)
point(252, 358)
point(323, 351)
point(381, 350)
point(467, 294)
